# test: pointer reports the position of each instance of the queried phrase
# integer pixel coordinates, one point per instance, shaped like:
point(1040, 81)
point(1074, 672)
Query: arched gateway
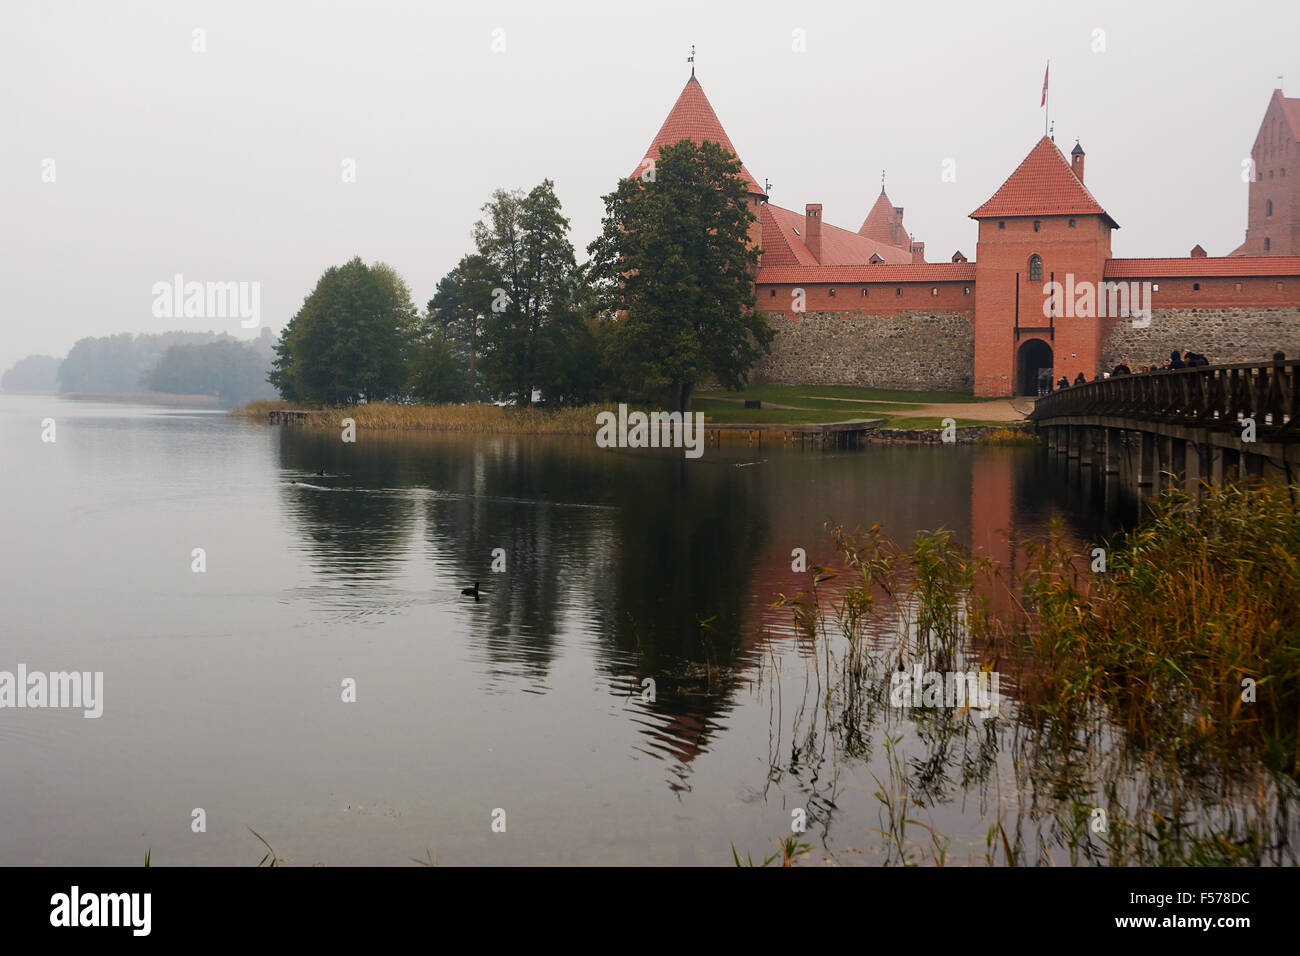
point(1033, 356)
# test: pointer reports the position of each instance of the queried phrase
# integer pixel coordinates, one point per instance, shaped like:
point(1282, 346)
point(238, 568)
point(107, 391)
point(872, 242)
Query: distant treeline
point(185, 363)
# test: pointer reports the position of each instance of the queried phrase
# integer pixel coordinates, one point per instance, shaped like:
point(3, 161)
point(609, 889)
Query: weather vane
point(767, 187)
point(882, 182)
point(691, 60)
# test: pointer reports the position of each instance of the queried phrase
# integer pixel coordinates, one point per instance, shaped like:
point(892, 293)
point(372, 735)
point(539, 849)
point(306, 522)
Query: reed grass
point(485, 419)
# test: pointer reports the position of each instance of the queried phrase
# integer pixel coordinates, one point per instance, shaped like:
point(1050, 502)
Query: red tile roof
point(693, 118)
point(1042, 185)
point(1291, 110)
point(921, 272)
point(1208, 266)
point(784, 232)
point(877, 224)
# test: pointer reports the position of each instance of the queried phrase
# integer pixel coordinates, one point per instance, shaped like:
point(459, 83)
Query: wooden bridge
point(1191, 425)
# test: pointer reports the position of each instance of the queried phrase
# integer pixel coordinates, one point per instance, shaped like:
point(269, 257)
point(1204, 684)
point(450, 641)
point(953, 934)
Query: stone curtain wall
point(1223, 335)
point(925, 350)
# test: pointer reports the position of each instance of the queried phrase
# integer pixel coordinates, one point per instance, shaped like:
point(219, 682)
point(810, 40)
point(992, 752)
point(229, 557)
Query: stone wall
point(1223, 335)
point(923, 349)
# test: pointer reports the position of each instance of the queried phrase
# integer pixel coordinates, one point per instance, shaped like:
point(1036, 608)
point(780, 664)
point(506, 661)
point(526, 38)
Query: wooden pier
point(848, 434)
point(287, 416)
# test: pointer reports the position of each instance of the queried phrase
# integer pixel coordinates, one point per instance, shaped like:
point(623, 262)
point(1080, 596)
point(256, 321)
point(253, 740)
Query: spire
point(693, 118)
point(882, 182)
point(691, 60)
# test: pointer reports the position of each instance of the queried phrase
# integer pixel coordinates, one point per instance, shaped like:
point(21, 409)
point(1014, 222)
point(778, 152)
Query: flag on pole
point(1044, 100)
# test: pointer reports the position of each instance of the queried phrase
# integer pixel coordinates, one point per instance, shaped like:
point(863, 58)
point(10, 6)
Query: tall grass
point(385, 416)
point(1163, 691)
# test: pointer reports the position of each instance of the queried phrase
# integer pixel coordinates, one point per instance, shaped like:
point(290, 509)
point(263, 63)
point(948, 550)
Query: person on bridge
point(1121, 369)
point(1063, 383)
point(1194, 359)
point(1080, 380)
point(1175, 361)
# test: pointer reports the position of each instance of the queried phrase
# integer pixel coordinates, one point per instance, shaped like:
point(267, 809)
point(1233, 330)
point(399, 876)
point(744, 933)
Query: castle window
point(1072, 222)
point(966, 291)
point(831, 290)
point(1237, 287)
point(1155, 287)
point(1270, 174)
point(1002, 224)
point(1035, 269)
point(1196, 287)
point(864, 290)
point(1267, 244)
point(898, 291)
point(1037, 223)
point(1268, 208)
point(934, 290)
point(772, 292)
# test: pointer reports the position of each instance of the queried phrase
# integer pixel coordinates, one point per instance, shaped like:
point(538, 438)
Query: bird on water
point(471, 592)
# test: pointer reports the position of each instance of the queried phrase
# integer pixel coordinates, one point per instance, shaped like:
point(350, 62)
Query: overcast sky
point(227, 164)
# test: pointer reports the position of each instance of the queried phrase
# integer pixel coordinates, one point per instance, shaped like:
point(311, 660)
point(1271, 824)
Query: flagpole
point(1047, 95)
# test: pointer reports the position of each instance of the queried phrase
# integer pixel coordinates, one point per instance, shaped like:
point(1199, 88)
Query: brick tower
point(1041, 227)
point(1273, 209)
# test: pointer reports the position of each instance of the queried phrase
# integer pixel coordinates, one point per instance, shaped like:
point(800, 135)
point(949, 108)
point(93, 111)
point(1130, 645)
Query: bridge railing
point(1208, 396)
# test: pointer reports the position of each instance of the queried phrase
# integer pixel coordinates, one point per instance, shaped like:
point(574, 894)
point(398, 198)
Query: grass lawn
point(831, 403)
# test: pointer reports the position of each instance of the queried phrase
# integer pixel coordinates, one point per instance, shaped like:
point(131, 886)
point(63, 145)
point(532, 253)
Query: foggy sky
point(225, 165)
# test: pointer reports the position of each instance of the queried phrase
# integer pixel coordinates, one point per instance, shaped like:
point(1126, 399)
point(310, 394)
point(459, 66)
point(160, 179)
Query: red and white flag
point(1044, 101)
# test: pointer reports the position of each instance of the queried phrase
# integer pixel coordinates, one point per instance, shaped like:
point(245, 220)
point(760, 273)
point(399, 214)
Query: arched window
point(1267, 244)
point(1035, 269)
point(1268, 208)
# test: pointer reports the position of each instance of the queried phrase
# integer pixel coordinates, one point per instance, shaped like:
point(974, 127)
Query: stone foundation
point(919, 350)
point(1223, 335)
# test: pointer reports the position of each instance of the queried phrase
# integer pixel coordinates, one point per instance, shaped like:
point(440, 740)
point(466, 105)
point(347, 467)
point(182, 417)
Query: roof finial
point(1053, 133)
point(882, 182)
point(691, 60)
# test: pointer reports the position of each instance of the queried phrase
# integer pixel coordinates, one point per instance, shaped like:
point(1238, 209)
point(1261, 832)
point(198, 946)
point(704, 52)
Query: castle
point(865, 308)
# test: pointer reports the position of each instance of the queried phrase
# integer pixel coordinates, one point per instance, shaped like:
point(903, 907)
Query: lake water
point(223, 690)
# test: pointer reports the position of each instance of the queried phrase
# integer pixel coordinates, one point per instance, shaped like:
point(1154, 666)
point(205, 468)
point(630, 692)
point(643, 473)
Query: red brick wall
point(1081, 249)
point(1220, 291)
point(882, 298)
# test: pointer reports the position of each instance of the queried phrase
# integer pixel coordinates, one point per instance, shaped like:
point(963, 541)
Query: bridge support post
point(1088, 453)
point(1146, 460)
point(1252, 464)
point(1164, 462)
point(1193, 465)
point(1114, 450)
point(1073, 442)
point(1178, 461)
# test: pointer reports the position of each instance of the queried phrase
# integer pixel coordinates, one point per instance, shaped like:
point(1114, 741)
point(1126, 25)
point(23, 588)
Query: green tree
point(524, 241)
point(674, 257)
point(462, 298)
point(352, 339)
point(437, 374)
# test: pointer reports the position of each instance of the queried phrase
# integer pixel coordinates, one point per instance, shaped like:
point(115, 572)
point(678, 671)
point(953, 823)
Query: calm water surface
point(223, 689)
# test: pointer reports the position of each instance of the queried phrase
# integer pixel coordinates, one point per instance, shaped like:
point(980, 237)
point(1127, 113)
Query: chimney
point(1198, 252)
point(918, 252)
point(813, 229)
point(1076, 160)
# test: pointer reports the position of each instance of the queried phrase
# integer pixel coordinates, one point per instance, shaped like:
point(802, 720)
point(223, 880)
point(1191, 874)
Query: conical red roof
point(1042, 185)
point(693, 118)
point(877, 225)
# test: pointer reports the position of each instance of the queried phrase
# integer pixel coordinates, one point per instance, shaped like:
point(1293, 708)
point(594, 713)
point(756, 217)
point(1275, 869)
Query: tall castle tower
point(1273, 209)
point(1041, 227)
